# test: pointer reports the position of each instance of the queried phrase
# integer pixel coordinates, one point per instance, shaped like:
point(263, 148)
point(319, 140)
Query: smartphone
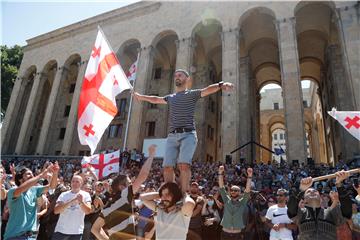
point(334, 189)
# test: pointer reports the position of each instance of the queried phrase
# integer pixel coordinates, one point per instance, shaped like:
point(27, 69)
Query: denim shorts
point(180, 148)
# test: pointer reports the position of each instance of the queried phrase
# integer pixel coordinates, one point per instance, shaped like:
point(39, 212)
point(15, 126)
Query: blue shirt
point(22, 211)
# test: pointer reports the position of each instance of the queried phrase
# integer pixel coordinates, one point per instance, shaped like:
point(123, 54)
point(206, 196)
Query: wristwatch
point(220, 84)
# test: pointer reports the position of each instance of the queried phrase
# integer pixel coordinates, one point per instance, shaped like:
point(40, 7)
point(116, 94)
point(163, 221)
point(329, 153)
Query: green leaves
point(10, 64)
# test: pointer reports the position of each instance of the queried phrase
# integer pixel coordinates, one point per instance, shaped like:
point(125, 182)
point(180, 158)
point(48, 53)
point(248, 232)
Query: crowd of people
point(271, 186)
point(177, 199)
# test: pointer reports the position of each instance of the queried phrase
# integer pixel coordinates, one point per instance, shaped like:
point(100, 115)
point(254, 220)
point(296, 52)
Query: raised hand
point(152, 150)
point(227, 86)
point(55, 167)
point(341, 176)
point(12, 169)
point(249, 172)
point(136, 95)
point(306, 183)
point(334, 196)
point(221, 169)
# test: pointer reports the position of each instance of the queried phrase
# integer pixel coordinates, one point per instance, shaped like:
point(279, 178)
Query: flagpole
point(130, 105)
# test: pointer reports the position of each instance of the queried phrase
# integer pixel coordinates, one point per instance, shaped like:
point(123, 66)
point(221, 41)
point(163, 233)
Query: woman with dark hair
point(211, 219)
point(172, 215)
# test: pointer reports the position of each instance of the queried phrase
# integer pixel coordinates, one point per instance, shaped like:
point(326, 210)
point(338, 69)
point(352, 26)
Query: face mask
point(211, 203)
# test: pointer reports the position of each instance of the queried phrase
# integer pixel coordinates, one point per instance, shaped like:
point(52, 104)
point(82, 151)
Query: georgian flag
point(102, 164)
point(131, 75)
point(103, 80)
point(350, 120)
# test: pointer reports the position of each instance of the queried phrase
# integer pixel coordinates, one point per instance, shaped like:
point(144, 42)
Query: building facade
point(249, 44)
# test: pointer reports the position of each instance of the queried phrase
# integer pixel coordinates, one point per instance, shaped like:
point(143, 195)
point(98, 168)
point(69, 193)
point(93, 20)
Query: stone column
point(244, 114)
point(50, 109)
point(185, 50)
point(72, 119)
point(266, 141)
point(349, 32)
point(143, 75)
point(230, 100)
point(348, 144)
point(12, 111)
point(30, 108)
point(291, 85)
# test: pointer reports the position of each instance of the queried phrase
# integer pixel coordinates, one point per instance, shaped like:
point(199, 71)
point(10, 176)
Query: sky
point(22, 20)
point(25, 19)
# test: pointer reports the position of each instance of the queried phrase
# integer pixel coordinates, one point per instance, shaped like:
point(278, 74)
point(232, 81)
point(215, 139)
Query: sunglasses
point(234, 190)
point(280, 195)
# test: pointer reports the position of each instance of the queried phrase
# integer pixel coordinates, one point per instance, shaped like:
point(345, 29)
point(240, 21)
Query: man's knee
point(168, 169)
point(184, 167)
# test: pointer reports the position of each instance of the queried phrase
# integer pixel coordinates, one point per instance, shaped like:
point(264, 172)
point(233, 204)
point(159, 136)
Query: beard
point(165, 204)
point(178, 83)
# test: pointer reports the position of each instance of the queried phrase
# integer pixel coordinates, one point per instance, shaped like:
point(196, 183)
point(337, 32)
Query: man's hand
point(221, 169)
point(249, 172)
point(152, 150)
point(334, 196)
point(341, 176)
point(55, 167)
point(305, 183)
point(49, 169)
point(12, 169)
point(227, 86)
point(199, 200)
point(276, 227)
point(136, 95)
point(79, 198)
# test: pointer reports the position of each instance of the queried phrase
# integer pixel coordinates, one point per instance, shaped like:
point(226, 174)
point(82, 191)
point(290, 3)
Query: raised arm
point(343, 194)
point(150, 99)
point(221, 176)
point(145, 170)
point(31, 182)
point(213, 88)
point(188, 207)
point(248, 181)
point(295, 197)
point(148, 199)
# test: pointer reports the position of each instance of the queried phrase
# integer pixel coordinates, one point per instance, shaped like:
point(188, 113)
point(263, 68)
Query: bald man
point(72, 206)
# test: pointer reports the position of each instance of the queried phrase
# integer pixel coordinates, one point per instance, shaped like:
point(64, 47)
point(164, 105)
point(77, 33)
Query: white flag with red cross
point(103, 80)
point(102, 164)
point(131, 75)
point(350, 120)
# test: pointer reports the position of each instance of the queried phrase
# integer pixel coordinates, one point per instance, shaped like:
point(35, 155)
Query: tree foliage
point(10, 63)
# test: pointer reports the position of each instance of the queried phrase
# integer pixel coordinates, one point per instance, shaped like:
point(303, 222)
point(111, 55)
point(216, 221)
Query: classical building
point(249, 44)
point(271, 107)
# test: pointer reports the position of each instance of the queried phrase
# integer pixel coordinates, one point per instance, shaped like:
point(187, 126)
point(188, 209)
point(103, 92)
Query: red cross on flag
point(103, 80)
point(131, 75)
point(102, 164)
point(350, 120)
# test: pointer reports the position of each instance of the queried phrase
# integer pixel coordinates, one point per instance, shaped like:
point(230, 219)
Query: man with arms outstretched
point(182, 139)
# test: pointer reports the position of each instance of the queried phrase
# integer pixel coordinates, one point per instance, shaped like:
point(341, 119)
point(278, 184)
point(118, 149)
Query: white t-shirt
point(71, 221)
point(279, 215)
point(171, 226)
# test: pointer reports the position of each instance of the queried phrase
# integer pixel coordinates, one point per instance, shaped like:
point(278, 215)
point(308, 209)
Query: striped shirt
point(118, 217)
point(182, 108)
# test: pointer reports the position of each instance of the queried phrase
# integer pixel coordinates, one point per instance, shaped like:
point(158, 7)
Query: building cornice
point(121, 14)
